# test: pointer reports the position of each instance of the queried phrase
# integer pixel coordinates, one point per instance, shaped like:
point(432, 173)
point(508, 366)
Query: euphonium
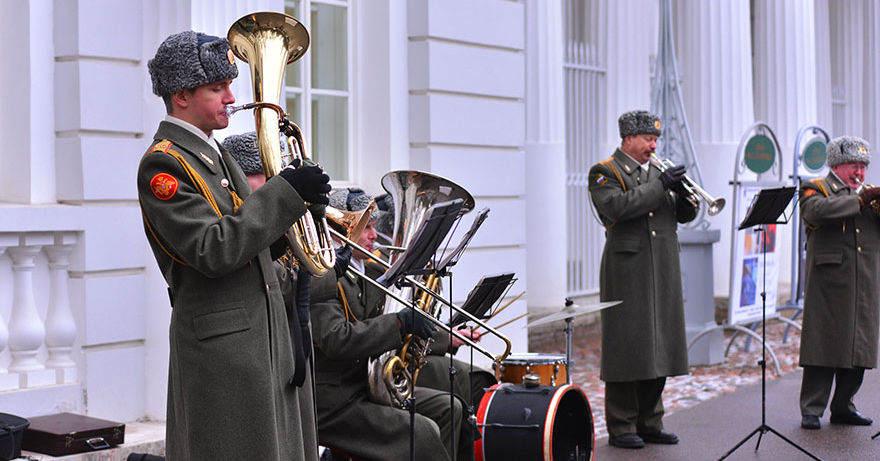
point(393, 374)
point(694, 191)
point(268, 42)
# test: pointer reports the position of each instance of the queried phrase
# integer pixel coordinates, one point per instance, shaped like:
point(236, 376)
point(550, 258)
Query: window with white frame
point(316, 88)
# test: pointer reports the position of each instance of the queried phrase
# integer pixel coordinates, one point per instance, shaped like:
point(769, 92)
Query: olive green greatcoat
point(842, 298)
point(231, 354)
point(643, 337)
point(347, 419)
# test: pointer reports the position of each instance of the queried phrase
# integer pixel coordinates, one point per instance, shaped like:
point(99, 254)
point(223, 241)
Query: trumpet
point(875, 204)
point(694, 191)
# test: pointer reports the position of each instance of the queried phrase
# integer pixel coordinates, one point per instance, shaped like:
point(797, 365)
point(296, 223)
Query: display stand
point(767, 208)
point(767, 177)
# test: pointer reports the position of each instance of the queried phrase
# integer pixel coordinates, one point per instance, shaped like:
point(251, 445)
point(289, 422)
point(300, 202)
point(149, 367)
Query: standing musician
point(842, 299)
point(349, 327)
point(643, 338)
point(234, 391)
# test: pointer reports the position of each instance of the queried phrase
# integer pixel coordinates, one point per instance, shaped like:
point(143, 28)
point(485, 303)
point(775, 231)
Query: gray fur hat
point(848, 149)
point(638, 122)
point(353, 199)
point(243, 148)
point(186, 60)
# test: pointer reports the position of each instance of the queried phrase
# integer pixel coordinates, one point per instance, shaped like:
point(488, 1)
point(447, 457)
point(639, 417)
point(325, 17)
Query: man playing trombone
point(643, 339)
point(349, 327)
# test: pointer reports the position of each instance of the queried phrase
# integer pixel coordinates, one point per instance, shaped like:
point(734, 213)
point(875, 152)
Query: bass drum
point(538, 423)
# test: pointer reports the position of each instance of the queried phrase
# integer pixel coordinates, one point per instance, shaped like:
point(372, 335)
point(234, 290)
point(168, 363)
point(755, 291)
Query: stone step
point(140, 437)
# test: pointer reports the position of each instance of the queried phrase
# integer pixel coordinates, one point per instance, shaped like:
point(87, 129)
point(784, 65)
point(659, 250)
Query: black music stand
point(452, 258)
point(427, 238)
point(767, 207)
point(483, 296)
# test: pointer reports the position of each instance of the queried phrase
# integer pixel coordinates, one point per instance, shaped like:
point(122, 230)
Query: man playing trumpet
point(842, 299)
point(643, 339)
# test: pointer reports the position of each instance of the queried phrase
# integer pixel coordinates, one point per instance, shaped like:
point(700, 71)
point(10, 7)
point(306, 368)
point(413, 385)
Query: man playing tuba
point(231, 389)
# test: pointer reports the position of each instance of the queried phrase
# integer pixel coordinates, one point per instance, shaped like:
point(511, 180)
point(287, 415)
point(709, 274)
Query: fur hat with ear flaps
point(848, 149)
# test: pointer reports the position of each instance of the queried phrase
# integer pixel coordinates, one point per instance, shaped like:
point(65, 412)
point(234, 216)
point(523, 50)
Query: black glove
point(413, 323)
point(869, 195)
point(303, 305)
point(343, 257)
point(310, 182)
point(672, 176)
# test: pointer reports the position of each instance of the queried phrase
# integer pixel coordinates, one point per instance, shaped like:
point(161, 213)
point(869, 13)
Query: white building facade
point(513, 100)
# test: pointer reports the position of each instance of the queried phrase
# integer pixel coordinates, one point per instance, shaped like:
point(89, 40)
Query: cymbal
point(573, 311)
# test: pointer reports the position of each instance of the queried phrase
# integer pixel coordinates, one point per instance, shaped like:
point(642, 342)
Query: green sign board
point(760, 154)
point(815, 155)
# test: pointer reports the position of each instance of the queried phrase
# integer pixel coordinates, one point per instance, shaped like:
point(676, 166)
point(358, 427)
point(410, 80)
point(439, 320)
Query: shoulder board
point(161, 146)
point(607, 161)
point(821, 183)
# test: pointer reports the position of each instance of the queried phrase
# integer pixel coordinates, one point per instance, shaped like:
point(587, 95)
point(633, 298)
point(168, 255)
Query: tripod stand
point(768, 206)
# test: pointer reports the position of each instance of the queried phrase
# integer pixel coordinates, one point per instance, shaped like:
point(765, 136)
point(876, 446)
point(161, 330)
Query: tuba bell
point(392, 376)
point(268, 42)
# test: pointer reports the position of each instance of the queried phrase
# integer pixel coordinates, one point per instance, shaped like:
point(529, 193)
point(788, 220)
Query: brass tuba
point(392, 375)
point(268, 42)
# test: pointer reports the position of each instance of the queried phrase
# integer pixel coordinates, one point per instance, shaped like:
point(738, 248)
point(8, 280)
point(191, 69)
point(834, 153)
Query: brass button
point(653, 233)
point(860, 249)
point(267, 288)
point(650, 214)
point(858, 231)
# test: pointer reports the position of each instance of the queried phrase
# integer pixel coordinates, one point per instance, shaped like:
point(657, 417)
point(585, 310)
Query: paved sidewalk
point(702, 384)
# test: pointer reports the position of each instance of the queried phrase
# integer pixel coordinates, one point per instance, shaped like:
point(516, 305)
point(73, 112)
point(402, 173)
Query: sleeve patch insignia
point(601, 179)
point(164, 186)
point(809, 192)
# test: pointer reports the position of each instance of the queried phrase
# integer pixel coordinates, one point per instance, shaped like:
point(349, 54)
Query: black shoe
point(810, 422)
point(626, 441)
point(853, 419)
point(663, 437)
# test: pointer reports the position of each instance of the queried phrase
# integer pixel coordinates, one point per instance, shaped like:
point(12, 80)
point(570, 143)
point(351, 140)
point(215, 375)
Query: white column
point(631, 44)
point(785, 68)
point(713, 47)
point(7, 381)
point(847, 68)
point(26, 329)
point(785, 86)
point(545, 156)
point(60, 325)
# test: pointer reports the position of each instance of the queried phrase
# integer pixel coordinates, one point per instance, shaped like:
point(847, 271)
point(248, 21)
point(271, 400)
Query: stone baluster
point(26, 330)
point(60, 325)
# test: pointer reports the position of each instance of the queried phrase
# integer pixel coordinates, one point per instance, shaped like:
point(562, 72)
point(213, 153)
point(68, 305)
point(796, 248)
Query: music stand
point(483, 296)
point(452, 258)
point(427, 238)
point(766, 209)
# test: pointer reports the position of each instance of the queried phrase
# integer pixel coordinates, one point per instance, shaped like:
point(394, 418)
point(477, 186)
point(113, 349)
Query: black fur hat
point(190, 59)
point(243, 148)
point(638, 122)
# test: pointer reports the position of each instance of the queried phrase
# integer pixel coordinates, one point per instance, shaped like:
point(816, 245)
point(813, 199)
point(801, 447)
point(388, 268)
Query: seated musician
point(349, 327)
point(469, 382)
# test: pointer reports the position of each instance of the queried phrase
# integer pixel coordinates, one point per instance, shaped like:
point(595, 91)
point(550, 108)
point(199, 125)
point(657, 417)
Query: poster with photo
point(755, 252)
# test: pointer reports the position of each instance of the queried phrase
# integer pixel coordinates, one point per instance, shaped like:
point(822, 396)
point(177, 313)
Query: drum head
point(533, 358)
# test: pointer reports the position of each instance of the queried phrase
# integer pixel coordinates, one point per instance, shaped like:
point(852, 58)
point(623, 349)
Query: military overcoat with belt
point(346, 334)
point(231, 355)
point(644, 336)
point(842, 277)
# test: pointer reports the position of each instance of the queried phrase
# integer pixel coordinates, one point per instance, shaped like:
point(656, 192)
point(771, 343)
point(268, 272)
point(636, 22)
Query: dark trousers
point(816, 387)
point(634, 406)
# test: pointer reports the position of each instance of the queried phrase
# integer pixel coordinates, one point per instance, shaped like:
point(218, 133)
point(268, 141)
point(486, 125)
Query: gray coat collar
point(186, 140)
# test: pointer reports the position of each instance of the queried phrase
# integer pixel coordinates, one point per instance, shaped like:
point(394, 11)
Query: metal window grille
point(584, 62)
